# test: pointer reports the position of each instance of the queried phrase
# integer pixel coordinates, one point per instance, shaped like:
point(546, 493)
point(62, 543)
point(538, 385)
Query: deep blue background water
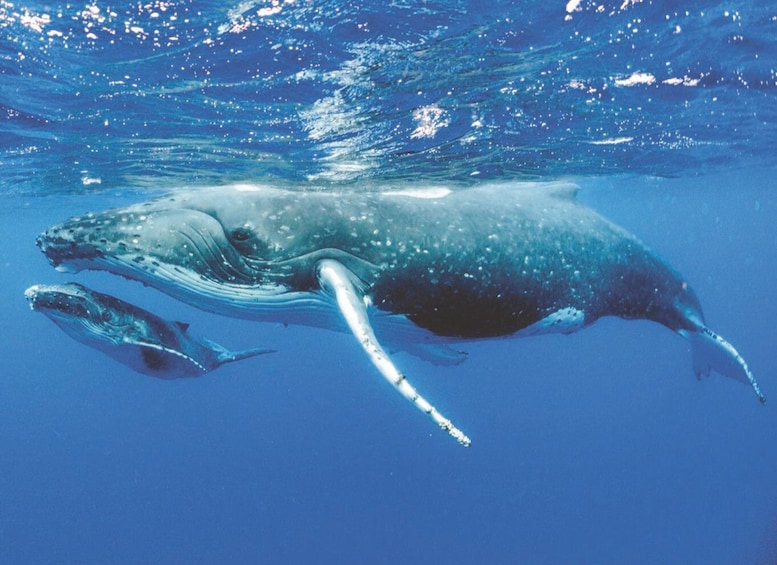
point(598, 447)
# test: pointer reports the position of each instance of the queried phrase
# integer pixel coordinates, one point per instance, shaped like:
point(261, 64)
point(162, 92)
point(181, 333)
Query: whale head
point(221, 249)
point(81, 313)
point(71, 300)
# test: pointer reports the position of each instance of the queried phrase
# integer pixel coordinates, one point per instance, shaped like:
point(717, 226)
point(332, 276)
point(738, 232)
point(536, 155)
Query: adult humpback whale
point(482, 262)
point(137, 338)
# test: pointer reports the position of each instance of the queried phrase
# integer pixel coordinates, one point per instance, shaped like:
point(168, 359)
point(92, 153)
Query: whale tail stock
point(224, 355)
point(712, 352)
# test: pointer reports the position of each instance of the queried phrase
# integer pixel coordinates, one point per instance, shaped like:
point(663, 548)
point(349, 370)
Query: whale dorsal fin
point(183, 326)
point(562, 190)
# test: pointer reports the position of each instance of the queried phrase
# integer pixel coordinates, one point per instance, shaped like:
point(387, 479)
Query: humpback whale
point(137, 338)
point(482, 262)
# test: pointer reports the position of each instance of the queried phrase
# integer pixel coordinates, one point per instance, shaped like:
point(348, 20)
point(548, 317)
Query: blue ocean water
point(600, 447)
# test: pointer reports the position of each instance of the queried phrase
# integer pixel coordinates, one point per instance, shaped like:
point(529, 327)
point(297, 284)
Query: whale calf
point(482, 262)
point(137, 338)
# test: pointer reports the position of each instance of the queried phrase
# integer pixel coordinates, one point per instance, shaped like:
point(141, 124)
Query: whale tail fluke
point(712, 352)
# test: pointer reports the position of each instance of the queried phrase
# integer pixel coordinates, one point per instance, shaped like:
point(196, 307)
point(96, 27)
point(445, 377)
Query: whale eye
point(247, 242)
point(240, 234)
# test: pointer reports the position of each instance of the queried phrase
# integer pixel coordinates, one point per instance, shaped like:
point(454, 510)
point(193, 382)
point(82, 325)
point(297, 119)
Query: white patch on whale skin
point(70, 268)
point(566, 321)
point(427, 193)
point(246, 187)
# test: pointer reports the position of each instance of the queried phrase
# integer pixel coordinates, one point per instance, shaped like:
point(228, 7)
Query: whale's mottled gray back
point(133, 336)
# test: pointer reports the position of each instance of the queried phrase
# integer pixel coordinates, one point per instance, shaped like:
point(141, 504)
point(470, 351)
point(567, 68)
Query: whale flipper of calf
point(137, 338)
point(476, 263)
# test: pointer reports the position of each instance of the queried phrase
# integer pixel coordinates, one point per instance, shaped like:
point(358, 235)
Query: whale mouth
point(66, 254)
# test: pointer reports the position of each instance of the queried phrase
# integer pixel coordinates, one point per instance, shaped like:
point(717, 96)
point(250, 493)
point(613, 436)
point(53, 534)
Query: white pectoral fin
point(336, 279)
point(712, 352)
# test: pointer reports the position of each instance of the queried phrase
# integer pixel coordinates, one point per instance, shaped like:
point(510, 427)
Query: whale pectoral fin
point(712, 352)
point(440, 354)
point(342, 285)
point(436, 353)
